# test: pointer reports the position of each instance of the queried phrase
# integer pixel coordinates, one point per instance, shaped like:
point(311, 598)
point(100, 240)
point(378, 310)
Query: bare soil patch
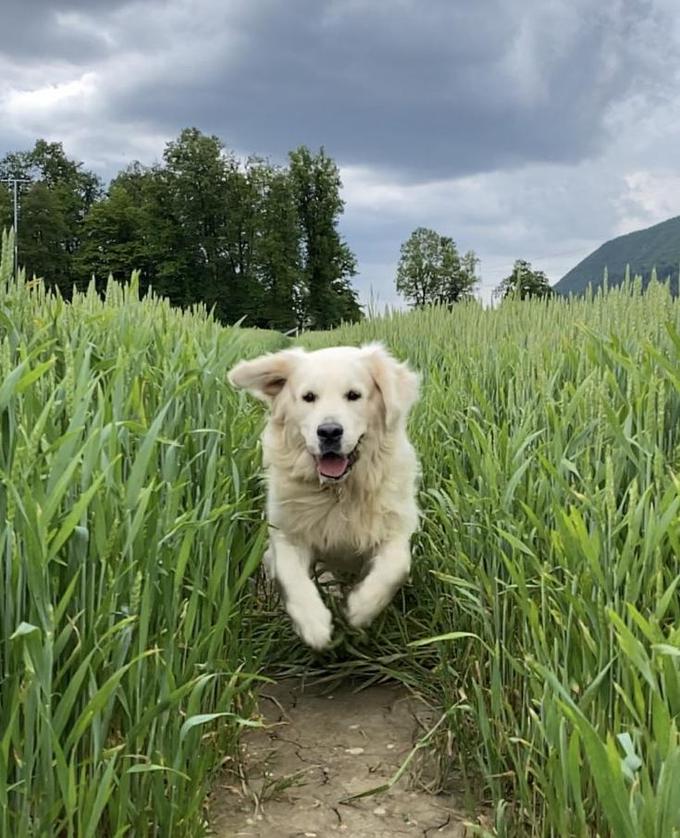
point(316, 751)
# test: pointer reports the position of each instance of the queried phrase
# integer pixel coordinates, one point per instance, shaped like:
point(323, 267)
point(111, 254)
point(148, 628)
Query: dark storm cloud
point(430, 89)
point(73, 31)
point(422, 89)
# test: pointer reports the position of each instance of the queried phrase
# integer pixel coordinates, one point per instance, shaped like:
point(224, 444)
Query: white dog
point(341, 475)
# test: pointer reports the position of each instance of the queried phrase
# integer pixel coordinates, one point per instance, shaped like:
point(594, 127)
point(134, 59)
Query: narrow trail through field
point(316, 750)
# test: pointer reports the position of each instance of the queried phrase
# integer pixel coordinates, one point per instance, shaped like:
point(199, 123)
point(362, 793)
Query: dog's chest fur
point(346, 521)
point(333, 518)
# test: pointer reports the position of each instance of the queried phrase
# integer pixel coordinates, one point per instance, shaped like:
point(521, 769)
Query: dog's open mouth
point(336, 466)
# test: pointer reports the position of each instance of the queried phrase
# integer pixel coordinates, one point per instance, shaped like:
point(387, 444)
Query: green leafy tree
point(163, 254)
point(53, 206)
point(469, 263)
point(45, 234)
point(431, 271)
point(172, 223)
point(524, 282)
point(190, 226)
point(195, 177)
point(327, 262)
point(245, 195)
point(279, 254)
point(6, 208)
point(113, 240)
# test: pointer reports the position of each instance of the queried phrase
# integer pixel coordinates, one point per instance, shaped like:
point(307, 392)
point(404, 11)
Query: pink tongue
point(332, 466)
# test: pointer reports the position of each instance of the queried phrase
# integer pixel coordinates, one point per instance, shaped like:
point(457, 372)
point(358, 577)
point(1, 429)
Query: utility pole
point(14, 183)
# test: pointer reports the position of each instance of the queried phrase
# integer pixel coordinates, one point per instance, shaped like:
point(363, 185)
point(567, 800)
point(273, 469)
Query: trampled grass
point(544, 610)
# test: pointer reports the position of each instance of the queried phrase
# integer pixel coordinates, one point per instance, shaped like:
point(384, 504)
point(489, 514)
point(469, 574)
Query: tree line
point(249, 239)
point(431, 271)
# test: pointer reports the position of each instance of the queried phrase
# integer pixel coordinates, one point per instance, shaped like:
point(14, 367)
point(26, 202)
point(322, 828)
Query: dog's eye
point(352, 396)
point(309, 397)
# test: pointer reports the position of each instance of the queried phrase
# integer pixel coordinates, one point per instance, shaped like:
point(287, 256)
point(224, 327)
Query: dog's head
point(331, 399)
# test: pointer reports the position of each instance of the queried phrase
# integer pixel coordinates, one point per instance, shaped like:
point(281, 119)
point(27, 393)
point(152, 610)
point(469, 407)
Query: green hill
point(657, 246)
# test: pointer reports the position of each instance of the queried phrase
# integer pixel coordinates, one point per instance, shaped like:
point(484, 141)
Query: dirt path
point(316, 751)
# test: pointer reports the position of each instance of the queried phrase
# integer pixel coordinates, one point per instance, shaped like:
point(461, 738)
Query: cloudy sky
point(528, 129)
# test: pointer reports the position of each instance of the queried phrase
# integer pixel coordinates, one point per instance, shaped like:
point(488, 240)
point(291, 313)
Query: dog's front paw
point(269, 564)
point(315, 626)
point(361, 608)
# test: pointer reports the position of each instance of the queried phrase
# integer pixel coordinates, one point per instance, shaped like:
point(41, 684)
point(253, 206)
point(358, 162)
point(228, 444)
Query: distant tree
point(53, 206)
point(469, 263)
point(431, 271)
point(47, 234)
point(195, 179)
point(241, 293)
point(190, 227)
point(165, 256)
point(279, 254)
point(49, 164)
point(524, 282)
point(113, 239)
point(6, 208)
point(327, 262)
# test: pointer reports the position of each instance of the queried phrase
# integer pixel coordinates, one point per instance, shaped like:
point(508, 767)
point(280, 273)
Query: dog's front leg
point(291, 565)
point(389, 570)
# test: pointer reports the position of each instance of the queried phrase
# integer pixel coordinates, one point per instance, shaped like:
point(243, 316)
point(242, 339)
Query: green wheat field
point(542, 618)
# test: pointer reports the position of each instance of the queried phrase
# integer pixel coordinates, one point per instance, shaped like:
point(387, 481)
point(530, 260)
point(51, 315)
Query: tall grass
point(549, 560)
point(129, 527)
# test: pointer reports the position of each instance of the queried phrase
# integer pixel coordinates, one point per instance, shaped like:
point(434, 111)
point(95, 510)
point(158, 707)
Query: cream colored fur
point(363, 521)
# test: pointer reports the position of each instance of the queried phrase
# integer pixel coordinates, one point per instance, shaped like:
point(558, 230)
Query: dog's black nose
point(329, 432)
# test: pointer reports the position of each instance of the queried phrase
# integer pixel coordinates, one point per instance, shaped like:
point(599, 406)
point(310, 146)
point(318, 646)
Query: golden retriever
point(341, 475)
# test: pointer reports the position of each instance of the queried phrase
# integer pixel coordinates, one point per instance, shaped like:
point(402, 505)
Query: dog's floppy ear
point(265, 376)
point(397, 382)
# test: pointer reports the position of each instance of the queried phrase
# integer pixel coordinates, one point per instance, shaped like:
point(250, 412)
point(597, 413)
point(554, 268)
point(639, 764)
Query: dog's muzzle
point(331, 465)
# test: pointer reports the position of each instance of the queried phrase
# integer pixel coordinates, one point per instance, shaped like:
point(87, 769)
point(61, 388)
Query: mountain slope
point(644, 249)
